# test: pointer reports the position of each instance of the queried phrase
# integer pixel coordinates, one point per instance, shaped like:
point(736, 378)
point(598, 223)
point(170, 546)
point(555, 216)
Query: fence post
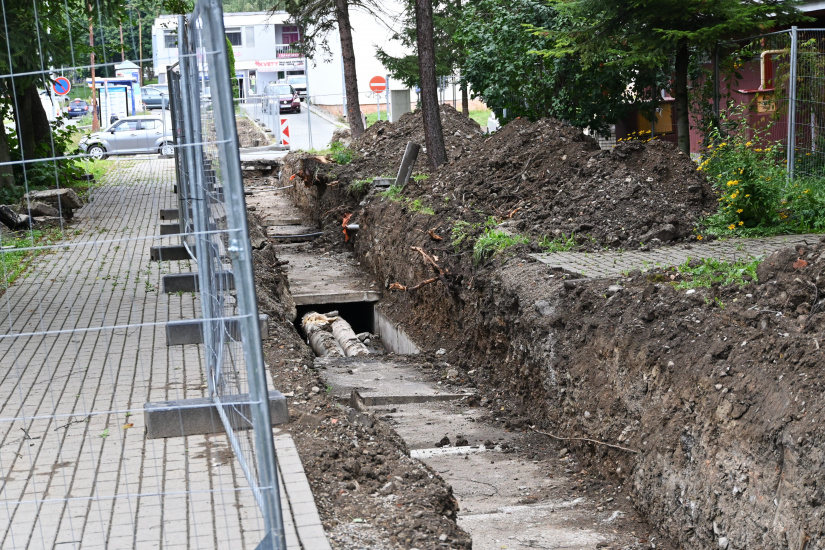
point(239, 250)
point(792, 105)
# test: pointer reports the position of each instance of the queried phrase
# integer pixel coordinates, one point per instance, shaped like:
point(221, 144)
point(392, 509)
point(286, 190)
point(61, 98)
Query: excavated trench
point(661, 394)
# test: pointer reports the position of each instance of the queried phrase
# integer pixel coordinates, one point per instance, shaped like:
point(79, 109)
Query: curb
point(326, 116)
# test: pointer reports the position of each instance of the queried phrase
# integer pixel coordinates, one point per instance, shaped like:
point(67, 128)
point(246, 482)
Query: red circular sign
point(61, 85)
point(378, 84)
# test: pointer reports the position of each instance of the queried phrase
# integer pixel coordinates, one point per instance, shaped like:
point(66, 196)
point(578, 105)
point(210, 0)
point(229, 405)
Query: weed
point(420, 177)
point(358, 188)
point(709, 271)
point(559, 244)
point(340, 153)
point(18, 253)
point(494, 241)
point(418, 206)
point(393, 193)
point(105, 433)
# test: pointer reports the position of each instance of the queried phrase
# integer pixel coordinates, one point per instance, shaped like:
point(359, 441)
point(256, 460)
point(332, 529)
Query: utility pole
point(122, 54)
point(95, 121)
point(140, 47)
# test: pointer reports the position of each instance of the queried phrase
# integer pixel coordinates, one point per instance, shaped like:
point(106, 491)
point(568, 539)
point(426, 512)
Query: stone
point(67, 198)
point(723, 542)
point(614, 289)
point(452, 373)
point(445, 442)
point(665, 233)
point(387, 489)
point(12, 219)
point(461, 441)
point(563, 453)
point(39, 209)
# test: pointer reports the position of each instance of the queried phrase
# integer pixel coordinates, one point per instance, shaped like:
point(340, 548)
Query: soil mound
point(380, 149)
point(551, 180)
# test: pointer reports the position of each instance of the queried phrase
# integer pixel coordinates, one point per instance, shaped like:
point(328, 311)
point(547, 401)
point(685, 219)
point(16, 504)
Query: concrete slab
point(183, 417)
point(188, 282)
point(180, 333)
point(169, 228)
point(325, 278)
point(167, 253)
point(169, 214)
point(379, 382)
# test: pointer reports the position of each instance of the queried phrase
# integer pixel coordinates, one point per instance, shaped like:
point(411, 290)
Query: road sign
point(61, 85)
point(378, 84)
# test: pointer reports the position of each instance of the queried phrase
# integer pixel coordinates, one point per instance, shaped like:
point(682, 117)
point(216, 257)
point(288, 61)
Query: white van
point(50, 105)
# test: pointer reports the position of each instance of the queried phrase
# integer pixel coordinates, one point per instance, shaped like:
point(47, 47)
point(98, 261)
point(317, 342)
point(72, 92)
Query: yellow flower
point(710, 146)
point(747, 196)
point(758, 150)
point(806, 191)
point(698, 237)
point(739, 211)
point(722, 144)
point(748, 144)
point(731, 226)
point(741, 223)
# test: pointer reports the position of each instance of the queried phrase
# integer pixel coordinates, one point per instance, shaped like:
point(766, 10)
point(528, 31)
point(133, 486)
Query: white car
point(129, 136)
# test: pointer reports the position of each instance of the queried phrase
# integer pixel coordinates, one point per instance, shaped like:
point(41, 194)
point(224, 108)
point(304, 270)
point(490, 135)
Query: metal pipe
point(792, 105)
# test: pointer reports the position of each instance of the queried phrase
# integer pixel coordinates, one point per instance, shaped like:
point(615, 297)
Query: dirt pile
point(551, 180)
point(379, 150)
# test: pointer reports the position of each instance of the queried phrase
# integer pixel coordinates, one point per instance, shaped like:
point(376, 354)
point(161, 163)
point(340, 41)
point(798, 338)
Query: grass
point(479, 115)
point(18, 253)
point(359, 188)
point(707, 272)
point(393, 193)
point(494, 241)
point(418, 206)
point(559, 244)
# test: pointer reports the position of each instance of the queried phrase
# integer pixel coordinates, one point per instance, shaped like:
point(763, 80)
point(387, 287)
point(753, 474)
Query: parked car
point(287, 97)
point(299, 82)
point(154, 97)
point(77, 107)
point(129, 136)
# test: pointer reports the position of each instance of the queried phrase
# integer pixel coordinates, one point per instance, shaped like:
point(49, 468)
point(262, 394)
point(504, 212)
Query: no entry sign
point(378, 84)
point(61, 85)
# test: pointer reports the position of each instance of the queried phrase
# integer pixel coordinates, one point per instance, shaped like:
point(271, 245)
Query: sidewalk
point(616, 264)
point(83, 348)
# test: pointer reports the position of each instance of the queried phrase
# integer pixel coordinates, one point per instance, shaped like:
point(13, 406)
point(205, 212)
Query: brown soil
point(716, 393)
point(249, 134)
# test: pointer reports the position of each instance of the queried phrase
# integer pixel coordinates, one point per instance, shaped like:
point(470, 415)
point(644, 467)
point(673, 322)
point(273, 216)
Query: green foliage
point(559, 244)
point(420, 177)
point(446, 18)
point(393, 192)
point(494, 241)
point(708, 271)
point(17, 253)
point(418, 206)
point(340, 153)
point(748, 171)
point(501, 71)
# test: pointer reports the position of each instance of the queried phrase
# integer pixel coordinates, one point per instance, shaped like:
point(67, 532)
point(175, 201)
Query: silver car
point(129, 136)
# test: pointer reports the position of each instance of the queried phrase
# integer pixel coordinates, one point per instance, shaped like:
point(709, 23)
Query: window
point(170, 39)
point(150, 93)
point(234, 36)
point(290, 34)
point(150, 124)
point(127, 126)
point(250, 36)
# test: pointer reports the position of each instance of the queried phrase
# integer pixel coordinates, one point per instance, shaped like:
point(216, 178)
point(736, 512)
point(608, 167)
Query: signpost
point(378, 84)
point(61, 85)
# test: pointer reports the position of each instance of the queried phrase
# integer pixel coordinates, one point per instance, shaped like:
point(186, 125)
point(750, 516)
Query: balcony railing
point(287, 51)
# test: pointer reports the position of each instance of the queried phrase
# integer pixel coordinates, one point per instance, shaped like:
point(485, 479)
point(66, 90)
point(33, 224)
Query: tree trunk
point(433, 133)
point(31, 121)
point(465, 101)
point(6, 172)
point(350, 79)
point(681, 95)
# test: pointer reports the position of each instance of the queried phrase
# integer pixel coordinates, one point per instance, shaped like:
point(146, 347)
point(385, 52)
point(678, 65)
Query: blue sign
point(61, 85)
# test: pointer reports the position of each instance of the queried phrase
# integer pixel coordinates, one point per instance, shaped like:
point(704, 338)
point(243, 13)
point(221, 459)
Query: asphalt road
point(299, 125)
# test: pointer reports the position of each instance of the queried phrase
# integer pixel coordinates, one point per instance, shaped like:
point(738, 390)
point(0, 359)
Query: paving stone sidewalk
point(615, 264)
point(82, 349)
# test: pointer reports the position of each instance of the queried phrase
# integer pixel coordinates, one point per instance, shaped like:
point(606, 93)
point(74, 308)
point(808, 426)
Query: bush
point(749, 173)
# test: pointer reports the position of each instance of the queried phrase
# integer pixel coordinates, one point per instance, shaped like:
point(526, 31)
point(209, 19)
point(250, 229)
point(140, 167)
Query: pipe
point(764, 62)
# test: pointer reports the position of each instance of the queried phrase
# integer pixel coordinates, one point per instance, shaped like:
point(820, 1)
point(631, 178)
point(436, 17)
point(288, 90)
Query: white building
point(262, 43)
point(264, 52)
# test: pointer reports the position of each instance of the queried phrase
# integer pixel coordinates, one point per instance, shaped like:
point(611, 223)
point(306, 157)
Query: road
point(299, 125)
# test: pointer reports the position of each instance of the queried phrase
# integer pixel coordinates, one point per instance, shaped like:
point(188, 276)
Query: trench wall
point(724, 418)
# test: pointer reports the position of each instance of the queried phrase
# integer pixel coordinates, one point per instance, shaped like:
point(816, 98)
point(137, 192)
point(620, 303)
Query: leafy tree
point(433, 132)
point(501, 70)
point(317, 18)
point(651, 34)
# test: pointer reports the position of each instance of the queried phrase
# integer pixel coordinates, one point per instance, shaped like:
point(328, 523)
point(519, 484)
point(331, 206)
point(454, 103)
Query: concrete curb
point(326, 116)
